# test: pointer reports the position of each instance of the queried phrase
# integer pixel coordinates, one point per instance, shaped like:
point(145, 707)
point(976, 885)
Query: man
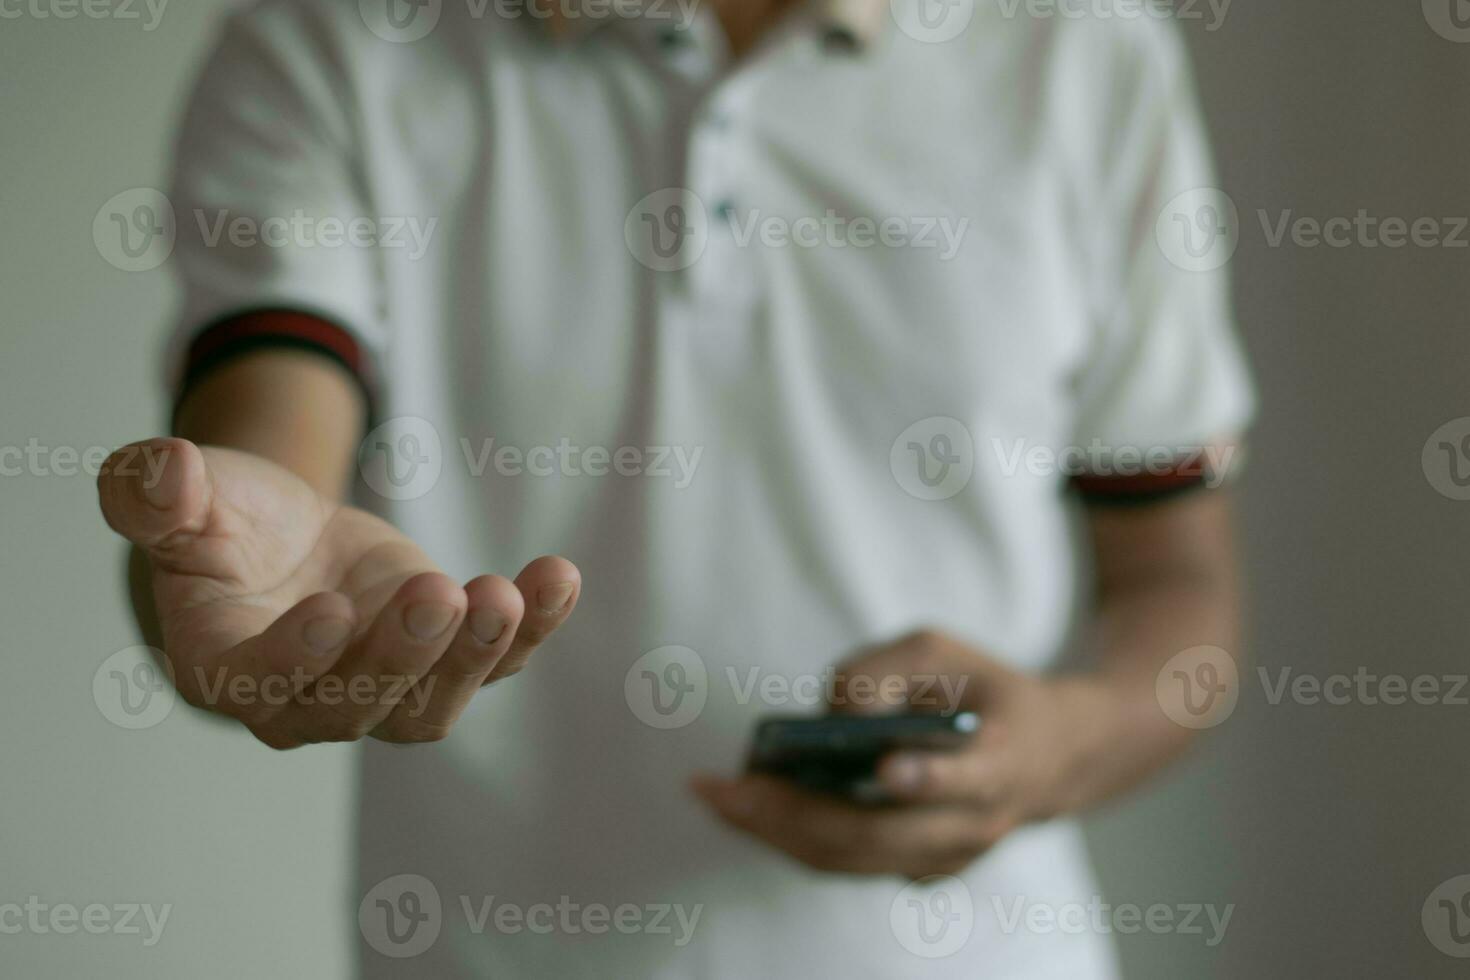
point(776, 321)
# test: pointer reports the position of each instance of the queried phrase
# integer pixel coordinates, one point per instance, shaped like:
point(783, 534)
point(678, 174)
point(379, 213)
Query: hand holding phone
point(954, 785)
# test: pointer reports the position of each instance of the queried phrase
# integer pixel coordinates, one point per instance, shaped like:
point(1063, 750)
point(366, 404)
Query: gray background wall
point(1326, 826)
point(251, 848)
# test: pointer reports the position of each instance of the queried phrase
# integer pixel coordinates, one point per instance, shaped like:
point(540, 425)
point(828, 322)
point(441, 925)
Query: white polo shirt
point(790, 356)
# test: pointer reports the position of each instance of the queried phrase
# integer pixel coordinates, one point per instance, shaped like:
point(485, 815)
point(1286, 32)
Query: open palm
point(308, 620)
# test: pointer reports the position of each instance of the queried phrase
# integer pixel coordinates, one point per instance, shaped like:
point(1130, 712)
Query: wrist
point(1090, 709)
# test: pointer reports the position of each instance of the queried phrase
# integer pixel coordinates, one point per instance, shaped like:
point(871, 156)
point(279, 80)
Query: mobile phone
point(839, 754)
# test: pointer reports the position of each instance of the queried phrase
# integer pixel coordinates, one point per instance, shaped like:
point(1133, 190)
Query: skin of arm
point(1167, 581)
point(256, 399)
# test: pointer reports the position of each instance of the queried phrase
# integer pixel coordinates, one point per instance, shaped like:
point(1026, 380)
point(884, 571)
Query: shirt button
point(672, 39)
point(839, 41)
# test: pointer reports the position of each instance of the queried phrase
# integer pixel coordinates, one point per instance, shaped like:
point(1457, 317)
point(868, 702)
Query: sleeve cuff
point(1143, 485)
point(235, 334)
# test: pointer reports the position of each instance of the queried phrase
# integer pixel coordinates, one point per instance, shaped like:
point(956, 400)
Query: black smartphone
point(839, 754)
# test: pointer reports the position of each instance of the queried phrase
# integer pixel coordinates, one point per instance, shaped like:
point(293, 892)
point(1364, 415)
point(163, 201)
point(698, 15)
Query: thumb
point(924, 671)
point(155, 493)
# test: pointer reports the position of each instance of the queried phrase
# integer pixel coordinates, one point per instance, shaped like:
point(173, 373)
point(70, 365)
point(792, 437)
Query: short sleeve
point(269, 201)
point(1165, 372)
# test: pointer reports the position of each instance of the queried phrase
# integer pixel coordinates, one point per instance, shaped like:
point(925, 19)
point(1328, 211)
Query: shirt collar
point(858, 21)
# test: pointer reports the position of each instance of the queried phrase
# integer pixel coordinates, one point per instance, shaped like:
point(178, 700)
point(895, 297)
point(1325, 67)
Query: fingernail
point(157, 479)
point(486, 625)
point(427, 620)
point(553, 598)
point(905, 774)
point(327, 633)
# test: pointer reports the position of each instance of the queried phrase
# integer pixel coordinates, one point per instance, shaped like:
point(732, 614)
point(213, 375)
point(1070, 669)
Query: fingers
point(257, 678)
point(155, 492)
point(549, 588)
point(923, 671)
point(880, 680)
point(315, 675)
point(939, 778)
point(380, 667)
point(441, 696)
point(829, 834)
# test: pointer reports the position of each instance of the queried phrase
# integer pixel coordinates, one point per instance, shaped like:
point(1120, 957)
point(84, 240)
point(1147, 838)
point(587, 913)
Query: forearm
point(1122, 735)
point(1144, 616)
point(296, 409)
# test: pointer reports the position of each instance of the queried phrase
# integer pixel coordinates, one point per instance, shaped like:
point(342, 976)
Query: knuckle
point(331, 724)
point(194, 697)
point(983, 794)
point(888, 839)
point(924, 650)
point(414, 732)
point(928, 664)
point(465, 668)
point(864, 835)
point(508, 667)
point(396, 668)
point(926, 638)
point(533, 633)
point(252, 716)
point(277, 740)
point(992, 833)
point(948, 866)
point(820, 859)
